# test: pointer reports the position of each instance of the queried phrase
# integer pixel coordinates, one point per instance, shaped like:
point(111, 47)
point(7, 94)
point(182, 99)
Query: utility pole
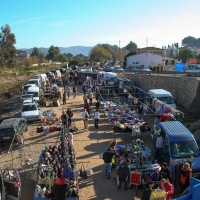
point(119, 52)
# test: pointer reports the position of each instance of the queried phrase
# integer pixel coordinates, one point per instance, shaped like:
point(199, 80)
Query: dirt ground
point(89, 145)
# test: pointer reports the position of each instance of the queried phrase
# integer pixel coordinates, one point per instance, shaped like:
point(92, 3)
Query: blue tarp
point(180, 67)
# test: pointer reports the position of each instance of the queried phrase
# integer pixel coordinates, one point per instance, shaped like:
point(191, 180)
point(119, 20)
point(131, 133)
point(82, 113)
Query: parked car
point(12, 128)
point(141, 70)
point(30, 112)
point(57, 73)
point(27, 98)
point(50, 75)
point(117, 69)
point(10, 184)
point(37, 82)
point(25, 87)
point(35, 91)
point(107, 69)
point(62, 70)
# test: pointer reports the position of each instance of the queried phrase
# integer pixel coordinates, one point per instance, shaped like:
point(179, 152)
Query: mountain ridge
point(75, 50)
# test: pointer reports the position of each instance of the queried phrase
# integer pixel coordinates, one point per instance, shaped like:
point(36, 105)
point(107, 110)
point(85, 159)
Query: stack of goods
point(161, 108)
point(140, 154)
point(57, 173)
point(48, 117)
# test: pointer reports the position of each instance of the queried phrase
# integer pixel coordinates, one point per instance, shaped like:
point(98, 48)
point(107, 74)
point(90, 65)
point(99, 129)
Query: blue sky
point(65, 23)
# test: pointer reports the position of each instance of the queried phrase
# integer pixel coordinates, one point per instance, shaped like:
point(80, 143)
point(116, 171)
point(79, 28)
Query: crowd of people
point(124, 174)
point(88, 86)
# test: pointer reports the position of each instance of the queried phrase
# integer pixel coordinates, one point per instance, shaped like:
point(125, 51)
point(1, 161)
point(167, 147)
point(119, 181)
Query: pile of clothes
point(56, 177)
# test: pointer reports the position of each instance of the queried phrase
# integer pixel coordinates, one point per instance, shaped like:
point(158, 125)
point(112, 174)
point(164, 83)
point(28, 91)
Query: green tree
point(41, 58)
point(7, 49)
point(28, 62)
point(186, 54)
point(73, 62)
point(189, 41)
point(53, 53)
point(35, 52)
point(100, 54)
point(131, 47)
point(62, 58)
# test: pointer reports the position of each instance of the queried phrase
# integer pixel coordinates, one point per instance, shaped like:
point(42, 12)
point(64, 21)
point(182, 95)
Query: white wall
point(144, 59)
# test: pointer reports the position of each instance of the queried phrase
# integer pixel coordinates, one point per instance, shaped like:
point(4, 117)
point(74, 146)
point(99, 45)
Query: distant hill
point(73, 50)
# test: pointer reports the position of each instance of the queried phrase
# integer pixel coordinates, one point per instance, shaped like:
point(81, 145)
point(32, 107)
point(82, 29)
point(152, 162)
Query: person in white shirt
point(159, 147)
point(90, 97)
point(70, 136)
point(96, 119)
point(85, 117)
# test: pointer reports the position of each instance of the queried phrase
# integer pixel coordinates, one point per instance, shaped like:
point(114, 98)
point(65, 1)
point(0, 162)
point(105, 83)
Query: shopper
point(90, 97)
point(147, 191)
point(167, 187)
point(74, 91)
point(97, 105)
point(186, 174)
point(165, 172)
point(159, 147)
point(124, 174)
point(64, 119)
point(85, 97)
point(87, 107)
point(107, 157)
point(85, 117)
point(69, 115)
point(69, 137)
point(68, 91)
point(64, 98)
point(96, 119)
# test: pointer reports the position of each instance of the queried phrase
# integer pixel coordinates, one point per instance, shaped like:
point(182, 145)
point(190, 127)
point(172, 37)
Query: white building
point(144, 60)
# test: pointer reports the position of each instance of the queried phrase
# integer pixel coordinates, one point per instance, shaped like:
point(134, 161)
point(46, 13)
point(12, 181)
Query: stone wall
point(185, 90)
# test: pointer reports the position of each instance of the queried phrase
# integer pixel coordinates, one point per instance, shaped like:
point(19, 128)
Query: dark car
point(63, 70)
point(12, 129)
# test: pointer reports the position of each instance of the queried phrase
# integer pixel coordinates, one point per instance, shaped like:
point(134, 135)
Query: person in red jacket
point(167, 187)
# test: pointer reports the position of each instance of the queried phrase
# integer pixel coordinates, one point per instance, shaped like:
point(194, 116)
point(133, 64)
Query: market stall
point(143, 166)
point(57, 175)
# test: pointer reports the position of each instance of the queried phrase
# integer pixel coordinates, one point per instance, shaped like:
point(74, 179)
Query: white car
point(30, 112)
point(27, 98)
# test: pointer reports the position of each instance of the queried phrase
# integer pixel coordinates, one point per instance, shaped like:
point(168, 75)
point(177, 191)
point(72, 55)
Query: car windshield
point(184, 149)
point(31, 107)
point(6, 132)
point(28, 96)
point(33, 82)
point(167, 99)
point(35, 94)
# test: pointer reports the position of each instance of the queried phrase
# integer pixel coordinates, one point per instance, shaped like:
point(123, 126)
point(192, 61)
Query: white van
point(109, 77)
point(162, 95)
point(36, 93)
point(37, 82)
point(43, 78)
